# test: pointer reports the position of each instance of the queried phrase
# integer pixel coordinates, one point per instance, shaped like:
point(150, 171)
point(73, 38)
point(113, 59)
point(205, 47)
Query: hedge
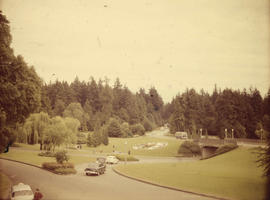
point(65, 168)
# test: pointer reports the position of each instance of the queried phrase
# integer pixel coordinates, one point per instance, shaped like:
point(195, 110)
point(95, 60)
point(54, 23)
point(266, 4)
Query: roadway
point(80, 187)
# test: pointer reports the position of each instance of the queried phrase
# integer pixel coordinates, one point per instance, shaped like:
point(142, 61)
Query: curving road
point(81, 187)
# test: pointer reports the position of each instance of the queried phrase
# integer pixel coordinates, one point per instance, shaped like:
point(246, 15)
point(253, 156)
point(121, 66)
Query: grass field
point(233, 175)
point(5, 185)
point(120, 146)
point(34, 159)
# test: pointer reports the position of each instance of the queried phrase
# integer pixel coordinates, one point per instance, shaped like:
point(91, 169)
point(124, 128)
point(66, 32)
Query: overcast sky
point(169, 44)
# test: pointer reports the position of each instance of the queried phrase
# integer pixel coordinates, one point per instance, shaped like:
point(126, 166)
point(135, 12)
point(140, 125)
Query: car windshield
point(93, 165)
point(22, 193)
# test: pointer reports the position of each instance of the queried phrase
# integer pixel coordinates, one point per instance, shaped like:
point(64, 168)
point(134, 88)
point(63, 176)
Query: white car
point(21, 192)
point(111, 160)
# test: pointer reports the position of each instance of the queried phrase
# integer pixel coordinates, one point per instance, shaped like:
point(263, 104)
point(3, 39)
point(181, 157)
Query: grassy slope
point(5, 185)
point(233, 175)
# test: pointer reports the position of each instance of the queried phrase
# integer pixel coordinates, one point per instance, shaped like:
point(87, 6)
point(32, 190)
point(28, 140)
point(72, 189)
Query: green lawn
point(233, 175)
point(119, 144)
point(5, 185)
point(34, 159)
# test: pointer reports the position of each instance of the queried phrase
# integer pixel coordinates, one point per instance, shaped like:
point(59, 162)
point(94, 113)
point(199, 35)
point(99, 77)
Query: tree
point(61, 156)
point(114, 129)
point(72, 130)
point(20, 86)
point(74, 110)
point(125, 129)
point(177, 119)
point(104, 135)
point(35, 127)
point(55, 133)
point(147, 124)
point(59, 108)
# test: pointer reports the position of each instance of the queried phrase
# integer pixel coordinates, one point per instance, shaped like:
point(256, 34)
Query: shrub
point(189, 148)
point(47, 154)
point(51, 165)
point(65, 168)
point(61, 156)
point(137, 129)
point(65, 171)
point(147, 124)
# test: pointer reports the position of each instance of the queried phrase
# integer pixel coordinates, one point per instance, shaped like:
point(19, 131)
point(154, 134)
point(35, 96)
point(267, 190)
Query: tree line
point(245, 114)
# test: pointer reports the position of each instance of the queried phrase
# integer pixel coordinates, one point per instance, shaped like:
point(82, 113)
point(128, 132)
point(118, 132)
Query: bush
point(148, 125)
point(51, 165)
point(188, 148)
point(65, 171)
point(125, 129)
point(61, 156)
point(65, 168)
point(137, 129)
point(47, 154)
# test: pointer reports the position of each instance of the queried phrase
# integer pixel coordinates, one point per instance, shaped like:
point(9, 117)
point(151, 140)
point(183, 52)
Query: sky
point(169, 44)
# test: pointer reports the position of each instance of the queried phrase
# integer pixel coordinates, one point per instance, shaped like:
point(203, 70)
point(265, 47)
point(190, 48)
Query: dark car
point(96, 168)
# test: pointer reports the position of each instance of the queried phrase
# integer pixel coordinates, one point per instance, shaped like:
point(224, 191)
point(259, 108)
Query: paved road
point(81, 187)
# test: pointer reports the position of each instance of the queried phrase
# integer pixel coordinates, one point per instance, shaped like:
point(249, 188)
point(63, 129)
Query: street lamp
point(232, 134)
point(225, 133)
point(126, 153)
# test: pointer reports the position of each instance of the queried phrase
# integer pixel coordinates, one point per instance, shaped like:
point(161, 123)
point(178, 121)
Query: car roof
point(21, 187)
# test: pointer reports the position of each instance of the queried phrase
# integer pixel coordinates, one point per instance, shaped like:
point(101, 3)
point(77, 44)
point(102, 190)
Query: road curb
point(36, 166)
point(167, 187)
point(23, 163)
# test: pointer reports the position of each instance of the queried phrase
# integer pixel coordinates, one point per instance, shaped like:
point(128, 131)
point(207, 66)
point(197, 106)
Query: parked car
point(21, 192)
point(181, 135)
point(96, 168)
point(111, 160)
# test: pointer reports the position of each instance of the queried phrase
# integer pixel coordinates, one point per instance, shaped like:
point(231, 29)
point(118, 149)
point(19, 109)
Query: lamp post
point(200, 132)
point(225, 133)
point(232, 134)
point(126, 153)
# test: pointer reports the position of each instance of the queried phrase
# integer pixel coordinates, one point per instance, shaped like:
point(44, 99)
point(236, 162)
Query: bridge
point(209, 146)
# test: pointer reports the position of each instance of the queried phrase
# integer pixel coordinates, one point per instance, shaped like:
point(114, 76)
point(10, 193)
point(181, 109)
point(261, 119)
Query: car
point(95, 168)
point(111, 160)
point(21, 192)
point(181, 135)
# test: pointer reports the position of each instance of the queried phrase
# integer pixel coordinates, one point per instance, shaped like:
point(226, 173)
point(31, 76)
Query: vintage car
point(21, 192)
point(181, 135)
point(95, 168)
point(111, 160)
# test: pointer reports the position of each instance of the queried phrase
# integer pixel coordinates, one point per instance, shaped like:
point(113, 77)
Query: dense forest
point(244, 112)
point(59, 112)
